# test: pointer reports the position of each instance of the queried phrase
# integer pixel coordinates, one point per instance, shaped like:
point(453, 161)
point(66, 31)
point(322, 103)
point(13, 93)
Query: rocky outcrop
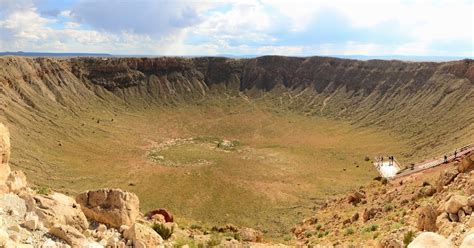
point(427, 219)
point(251, 235)
point(4, 157)
point(110, 206)
point(56, 208)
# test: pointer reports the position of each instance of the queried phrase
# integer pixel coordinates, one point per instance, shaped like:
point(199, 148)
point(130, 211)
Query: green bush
point(43, 190)
point(408, 237)
point(388, 207)
point(349, 231)
point(164, 231)
point(318, 227)
point(371, 228)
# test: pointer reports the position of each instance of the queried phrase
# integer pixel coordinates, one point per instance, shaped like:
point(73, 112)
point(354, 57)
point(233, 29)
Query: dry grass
point(287, 162)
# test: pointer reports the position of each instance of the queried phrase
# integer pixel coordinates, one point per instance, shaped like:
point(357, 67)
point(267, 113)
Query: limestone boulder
point(427, 219)
point(446, 178)
point(250, 235)
point(430, 240)
point(455, 203)
point(110, 206)
point(56, 209)
point(467, 164)
point(71, 235)
point(142, 236)
point(468, 241)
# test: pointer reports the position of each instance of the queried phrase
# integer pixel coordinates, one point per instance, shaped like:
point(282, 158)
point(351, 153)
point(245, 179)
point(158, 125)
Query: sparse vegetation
point(215, 240)
point(388, 207)
point(163, 230)
point(349, 231)
point(43, 190)
point(408, 237)
point(371, 228)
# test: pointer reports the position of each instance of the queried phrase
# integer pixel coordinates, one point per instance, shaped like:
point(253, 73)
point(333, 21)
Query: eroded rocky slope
point(433, 208)
point(427, 103)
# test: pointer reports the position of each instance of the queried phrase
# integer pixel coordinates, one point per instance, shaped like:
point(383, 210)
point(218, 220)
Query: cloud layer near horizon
point(240, 27)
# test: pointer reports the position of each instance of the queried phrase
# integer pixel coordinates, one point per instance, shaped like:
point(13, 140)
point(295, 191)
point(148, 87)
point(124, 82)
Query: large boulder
point(455, 203)
point(355, 197)
point(446, 178)
point(250, 235)
point(369, 213)
point(430, 240)
point(4, 157)
point(56, 209)
point(427, 219)
point(142, 236)
point(110, 206)
point(468, 241)
point(467, 164)
point(168, 217)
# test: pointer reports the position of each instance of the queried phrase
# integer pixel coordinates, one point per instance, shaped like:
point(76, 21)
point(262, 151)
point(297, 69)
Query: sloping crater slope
point(431, 102)
point(60, 110)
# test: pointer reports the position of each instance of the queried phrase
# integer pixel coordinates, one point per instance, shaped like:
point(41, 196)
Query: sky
point(239, 27)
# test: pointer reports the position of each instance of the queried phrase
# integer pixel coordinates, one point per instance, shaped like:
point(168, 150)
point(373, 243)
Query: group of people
point(446, 156)
point(380, 160)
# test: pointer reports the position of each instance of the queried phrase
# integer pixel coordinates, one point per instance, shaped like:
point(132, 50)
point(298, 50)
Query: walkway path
point(435, 162)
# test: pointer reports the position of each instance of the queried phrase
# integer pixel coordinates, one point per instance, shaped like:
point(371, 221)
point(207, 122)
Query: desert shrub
point(408, 237)
point(237, 236)
point(287, 238)
point(43, 190)
point(320, 235)
point(371, 228)
point(384, 180)
point(195, 227)
point(318, 227)
point(215, 240)
point(163, 230)
point(349, 231)
point(388, 207)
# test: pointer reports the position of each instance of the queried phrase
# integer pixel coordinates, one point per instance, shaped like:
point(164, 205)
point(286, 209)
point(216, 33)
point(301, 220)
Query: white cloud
point(242, 27)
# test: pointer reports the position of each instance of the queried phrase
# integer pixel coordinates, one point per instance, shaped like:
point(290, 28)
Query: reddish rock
point(168, 216)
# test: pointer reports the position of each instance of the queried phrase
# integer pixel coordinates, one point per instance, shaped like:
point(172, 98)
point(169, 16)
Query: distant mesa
point(40, 54)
